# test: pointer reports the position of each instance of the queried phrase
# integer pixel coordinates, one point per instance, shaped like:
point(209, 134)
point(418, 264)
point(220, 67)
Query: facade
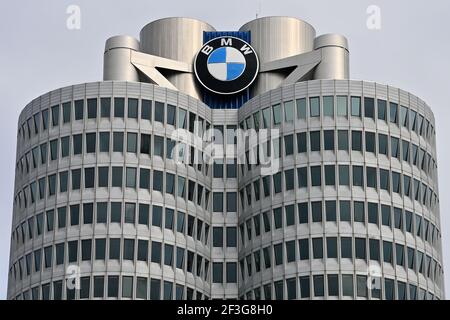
point(111, 201)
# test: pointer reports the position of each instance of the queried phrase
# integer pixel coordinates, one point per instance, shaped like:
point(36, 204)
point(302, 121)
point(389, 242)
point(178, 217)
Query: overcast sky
point(38, 53)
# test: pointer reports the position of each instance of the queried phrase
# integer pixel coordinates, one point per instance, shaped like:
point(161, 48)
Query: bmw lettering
point(226, 65)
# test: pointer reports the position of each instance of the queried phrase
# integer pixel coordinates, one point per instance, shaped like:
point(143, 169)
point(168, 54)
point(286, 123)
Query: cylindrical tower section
point(276, 38)
point(108, 195)
point(349, 196)
point(177, 39)
point(117, 59)
point(335, 62)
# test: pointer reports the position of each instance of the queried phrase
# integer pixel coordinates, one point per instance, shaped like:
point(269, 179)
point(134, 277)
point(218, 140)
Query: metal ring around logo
point(226, 65)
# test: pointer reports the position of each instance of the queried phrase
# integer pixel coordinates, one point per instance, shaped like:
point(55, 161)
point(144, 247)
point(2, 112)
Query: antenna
point(258, 10)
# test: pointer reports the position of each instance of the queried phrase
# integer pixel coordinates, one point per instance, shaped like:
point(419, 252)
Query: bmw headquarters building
point(226, 165)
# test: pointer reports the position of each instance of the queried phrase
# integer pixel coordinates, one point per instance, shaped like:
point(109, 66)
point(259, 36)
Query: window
point(359, 213)
point(289, 145)
point(347, 285)
point(231, 237)
point(105, 107)
point(346, 248)
point(118, 142)
point(404, 117)
point(76, 179)
point(79, 106)
point(332, 248)
point(374, 246)
point(278, 253)
point(159, 112)
point(395, 148)
point(144, 210)
point(289, 111)
point(89, 178)
point(72, 248)
point(302, 174)
point(316, 211)
point(156, 252)
point(393, 112)
point(168, 255)
point(360, 248)
point(276, 114)
point(159, 146)
point(383, 144)
point(104, 142)
point(131, 178)
point(330, 211)
point(387, 252)
point(344, 175)
point(218, 202)
point(130, 213)
point(116, 212)
point(371, 177)
point(99, 285)
point(301, 108)
point(77, 144)
point(328, 137)
point(316, 176)
point(369, 108)
point(67, 111)
point(92, 108)
point(314, 104)
point(382, 110)
point(103, 177)
point(171, 114)
point(358, 176)
point(55, 116)
point(231, 202)
point(317, 248)
point(370, 142)
point(146, 110)
point(119, 107)
point(356, 106)
point(356, 140)
point(113, 286)
point(131, 142)
point(318, 286)
point(330, 176)
point(65, 147)
point(133, 105)
point(305, 291)
point(315, 140)
point(342, 106)
point(231, 272)
point(217, 272)
point(344, 209)
point(372, 209)
point(117, 173)
point(217, 237)
point(328, 106)
point(343, 140)
point(301, 142)
point(157, 216)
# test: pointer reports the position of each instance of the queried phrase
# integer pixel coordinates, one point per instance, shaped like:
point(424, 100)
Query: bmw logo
point(226, 65)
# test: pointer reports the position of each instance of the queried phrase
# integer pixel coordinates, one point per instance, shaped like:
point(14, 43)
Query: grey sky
point(38, 54)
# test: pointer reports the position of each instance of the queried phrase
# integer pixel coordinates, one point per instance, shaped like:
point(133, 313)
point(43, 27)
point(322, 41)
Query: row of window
point(101, 287)
point(111, 249)
point(115, 212)
point(344, 140)
point(340, 248)
point(345, 286)
point(339, 106)
point(166, 148)
point(342, 175)
point(120, 177)
point(342, 211)
point(317, 286)
point(80, 110)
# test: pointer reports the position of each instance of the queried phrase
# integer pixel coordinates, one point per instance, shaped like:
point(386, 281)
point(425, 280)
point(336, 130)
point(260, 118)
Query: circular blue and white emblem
point(226, 65)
